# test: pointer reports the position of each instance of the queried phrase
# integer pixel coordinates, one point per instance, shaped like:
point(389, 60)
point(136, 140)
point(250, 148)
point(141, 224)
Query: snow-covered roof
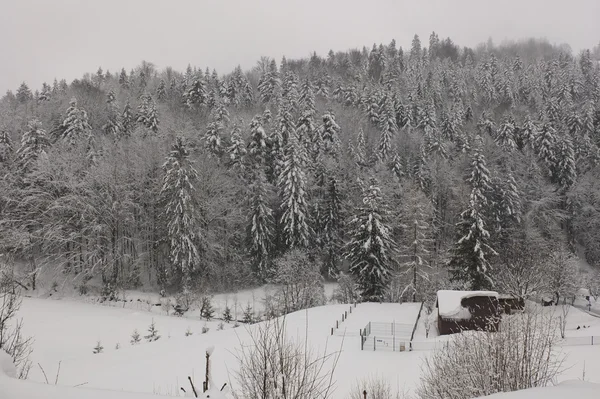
point(449, 302)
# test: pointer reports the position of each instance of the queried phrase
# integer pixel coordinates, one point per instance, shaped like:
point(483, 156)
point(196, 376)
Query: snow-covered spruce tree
point(237, 149)
point(387, 127)
point(196, 95)
point(307, 96)
point(75, 125)
point(34, 144)
point(112, 127)
point(127, 119)
point(332, 224)
point(371, 246)
point(294, 205)
point(135, 338)
point(152, 333)
point(261, 226)
point(470, 257)
point(177, 194)
point(329, 132)
point(258, 143)
point(6, 146)
point(147, 113)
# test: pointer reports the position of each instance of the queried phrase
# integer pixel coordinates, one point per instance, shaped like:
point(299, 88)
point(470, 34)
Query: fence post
point(393, 344)
point(374, 343)
point(331, 330)
point(337, 325)
point(346, 314)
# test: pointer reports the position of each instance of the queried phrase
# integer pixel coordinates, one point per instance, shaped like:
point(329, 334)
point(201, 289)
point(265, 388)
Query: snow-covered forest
point(411, 169)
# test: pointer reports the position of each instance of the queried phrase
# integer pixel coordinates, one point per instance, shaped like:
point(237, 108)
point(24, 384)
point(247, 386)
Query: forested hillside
point(412, 169)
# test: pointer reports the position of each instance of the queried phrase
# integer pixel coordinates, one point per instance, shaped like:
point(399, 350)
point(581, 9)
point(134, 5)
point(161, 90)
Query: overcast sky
point(43, 39)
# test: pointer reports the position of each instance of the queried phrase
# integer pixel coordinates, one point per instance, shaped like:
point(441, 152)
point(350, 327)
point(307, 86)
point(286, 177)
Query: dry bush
point(472, 364)
point(12, 340)
point(376, 388)
point(273, 366)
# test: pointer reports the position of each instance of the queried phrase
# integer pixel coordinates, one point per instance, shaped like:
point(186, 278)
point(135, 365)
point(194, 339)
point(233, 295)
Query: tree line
point(436, 167)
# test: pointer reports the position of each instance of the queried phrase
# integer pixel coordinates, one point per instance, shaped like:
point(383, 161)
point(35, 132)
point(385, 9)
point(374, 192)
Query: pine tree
point(127, 119)
point(98, 348)
point(332, 228)
point(161, 90)
point(196, 95)
point(46, 93)
point(237, 149)
point(34, 144)
point(227, 314)
point(180, 212)
point(257, 147)
point(360, 156)
point(213, 140)
point(135, 338)
point(113, 126)
point(24, 93)
point(248, 315)
point(471, 253)
point(371, 246)
point(152, 333)
point(75, 125)
point(294, 205)
point(261, 226)
point(506, 135)
point(387, 127)
point(329, 132)
point(307, 96)
point(147, 113)
point(6, 146)
point(123, 79)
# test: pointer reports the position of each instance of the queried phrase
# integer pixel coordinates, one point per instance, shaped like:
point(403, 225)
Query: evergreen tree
point(123, 79)
point(294, 205)
point(196, 95)
point(6, 146)
point(471, 253)
point(329, 134)
point(237, 149)
point(371, 246)
point(135, 338)
point(147, 113)
point(112, 127)
point(127, 119)
point(332, 228)
point(76, 123)
point(180, 212)
point(307, 97)
point(387, 127)
point(260, 226)
point(34, 144)
point(24, 93)
point(161, 90)
point(506, 135)
point(152, 333)
point(258, 145)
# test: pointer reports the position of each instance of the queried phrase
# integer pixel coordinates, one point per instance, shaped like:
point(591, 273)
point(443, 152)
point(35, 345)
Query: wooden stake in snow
point(207, 375)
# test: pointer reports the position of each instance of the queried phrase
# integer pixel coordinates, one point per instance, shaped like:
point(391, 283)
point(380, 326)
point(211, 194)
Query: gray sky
point(43, 39)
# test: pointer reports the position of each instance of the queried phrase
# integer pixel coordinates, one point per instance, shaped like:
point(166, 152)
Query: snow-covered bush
point(300, 283)
point(472, 364)
point(274, 366)
point(248, 315)
point(207, 310)
point(12, 340)
point(227, 314)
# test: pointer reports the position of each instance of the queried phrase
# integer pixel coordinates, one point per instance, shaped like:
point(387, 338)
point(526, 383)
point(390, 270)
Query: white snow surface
point(449, 302)
point(567, 389)
point(66, 330)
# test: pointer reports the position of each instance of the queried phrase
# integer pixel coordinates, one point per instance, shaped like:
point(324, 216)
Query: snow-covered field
point(67, 330)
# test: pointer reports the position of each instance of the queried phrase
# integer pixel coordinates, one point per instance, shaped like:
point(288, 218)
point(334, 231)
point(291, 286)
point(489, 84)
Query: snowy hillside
point(66, 331)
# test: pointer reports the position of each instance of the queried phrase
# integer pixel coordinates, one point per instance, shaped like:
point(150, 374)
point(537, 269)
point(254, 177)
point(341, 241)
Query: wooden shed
point(467, 310)
point(510, 304)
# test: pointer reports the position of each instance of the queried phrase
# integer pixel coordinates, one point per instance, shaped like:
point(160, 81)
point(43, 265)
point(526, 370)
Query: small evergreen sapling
point(227, 314)
point(152, 333)
point(135, 337)
point(98, 348)
point(248, 315)
point(206, 309)
point(118, 346)
point(188, 332)
point(221, 326)
point(205, 329)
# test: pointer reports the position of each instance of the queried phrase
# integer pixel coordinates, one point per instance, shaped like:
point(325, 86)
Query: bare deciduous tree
point(272, 365)
point(11, 335)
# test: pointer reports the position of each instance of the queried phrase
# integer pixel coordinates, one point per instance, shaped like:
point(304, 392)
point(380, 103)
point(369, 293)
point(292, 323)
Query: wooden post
point(365, 394)
point(374, 343)
point(337, 325)
point(331, 330)
point(205, 387)
point(346, 314)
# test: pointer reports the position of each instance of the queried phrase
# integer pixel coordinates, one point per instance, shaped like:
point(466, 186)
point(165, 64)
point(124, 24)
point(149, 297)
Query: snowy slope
point(567, 389)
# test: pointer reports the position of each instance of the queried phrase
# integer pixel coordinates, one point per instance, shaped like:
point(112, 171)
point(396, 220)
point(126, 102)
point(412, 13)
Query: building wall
point(485, 316)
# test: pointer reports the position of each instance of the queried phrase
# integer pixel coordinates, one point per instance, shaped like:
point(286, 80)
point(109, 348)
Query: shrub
point(135, 337)
point(227, 314)
point(206, 308)
point(98, 348)
point(152, 333)
point(472, 364)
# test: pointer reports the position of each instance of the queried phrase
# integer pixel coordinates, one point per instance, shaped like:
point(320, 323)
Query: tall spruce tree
point(261, 226)
point(293, 193)
point(371, 246)
point(180, 212)
point(34, 144)
point(75, 125)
